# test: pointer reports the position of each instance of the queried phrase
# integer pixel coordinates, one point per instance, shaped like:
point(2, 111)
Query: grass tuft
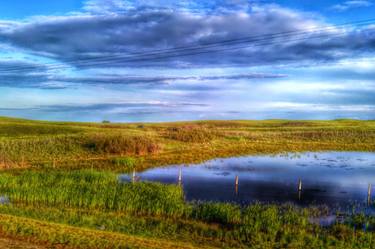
point(191, 133)
point(117, 144)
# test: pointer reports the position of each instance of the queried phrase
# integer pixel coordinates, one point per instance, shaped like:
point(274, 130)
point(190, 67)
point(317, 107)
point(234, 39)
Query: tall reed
point(93, 190)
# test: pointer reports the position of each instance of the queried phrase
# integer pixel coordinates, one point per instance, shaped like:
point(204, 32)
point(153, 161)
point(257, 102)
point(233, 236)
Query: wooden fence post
point(133, 177)
point(180, 177)
point(299, 189)
point(299, 185)
point(369, 194)
point(236, 185)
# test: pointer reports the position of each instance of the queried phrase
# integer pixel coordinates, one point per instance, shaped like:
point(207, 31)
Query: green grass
point(63, 236)
point(84, 204)
point(120, 144)
point(64, 191)
point(92, 190)
point(36, 144)
point(127, 162)
point(190, 133)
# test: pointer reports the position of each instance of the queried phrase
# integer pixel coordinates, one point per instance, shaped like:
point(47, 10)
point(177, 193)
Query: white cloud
point(351, 5)
point(293, 106)
point(102, 37)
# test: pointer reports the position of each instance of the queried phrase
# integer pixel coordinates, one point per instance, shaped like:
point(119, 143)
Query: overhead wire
point(203, 48)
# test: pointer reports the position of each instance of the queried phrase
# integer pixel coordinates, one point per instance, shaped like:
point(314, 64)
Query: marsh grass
point(92, 190)
point(96, 200)
point(31, 129)
point(93, 200)
point(191, 133)
point(72, 145)
point(123, 145)
point(125, 162)
point(215, 224)
point(223, 213)
point(146, 226)
point(62, 236)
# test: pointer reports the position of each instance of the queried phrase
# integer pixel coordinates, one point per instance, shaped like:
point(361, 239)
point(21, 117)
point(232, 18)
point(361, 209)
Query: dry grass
point(153, 215)
point(63, 236)
point(86, 145)
point(190, 133)
point(122, 145)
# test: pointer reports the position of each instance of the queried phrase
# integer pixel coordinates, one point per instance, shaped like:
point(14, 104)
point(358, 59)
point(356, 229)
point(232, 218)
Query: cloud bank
point(203, 57)
point(138, 37)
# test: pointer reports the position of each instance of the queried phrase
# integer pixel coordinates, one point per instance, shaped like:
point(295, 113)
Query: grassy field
point(60, 209)
point(62, 190)
point(122, 147)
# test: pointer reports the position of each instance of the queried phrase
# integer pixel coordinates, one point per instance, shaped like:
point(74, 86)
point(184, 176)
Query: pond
point(340, 180)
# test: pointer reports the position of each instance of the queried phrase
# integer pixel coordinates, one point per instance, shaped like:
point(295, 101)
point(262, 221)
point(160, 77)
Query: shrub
point(190, 134)
point(224, 213)
point(128, 162)
point(120, 144)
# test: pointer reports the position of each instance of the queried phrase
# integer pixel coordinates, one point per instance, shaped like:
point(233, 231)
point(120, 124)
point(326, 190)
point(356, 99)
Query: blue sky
point(20, 9)
point(117, 60)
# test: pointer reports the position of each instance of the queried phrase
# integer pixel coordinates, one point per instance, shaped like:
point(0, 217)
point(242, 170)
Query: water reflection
point(336, 179)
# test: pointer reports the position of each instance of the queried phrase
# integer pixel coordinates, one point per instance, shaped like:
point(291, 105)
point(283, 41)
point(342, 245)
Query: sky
point(151, 61)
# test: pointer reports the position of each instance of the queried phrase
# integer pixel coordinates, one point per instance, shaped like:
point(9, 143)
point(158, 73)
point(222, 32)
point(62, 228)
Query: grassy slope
point(56, 235)
point(50, 145)
point(14, 243)
point(60, 208)
point(37, 144)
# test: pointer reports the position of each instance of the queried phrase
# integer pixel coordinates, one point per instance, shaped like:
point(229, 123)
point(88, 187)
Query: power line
point(166, 56)
point(192, 50)
point(179, 49)
point(249, 38)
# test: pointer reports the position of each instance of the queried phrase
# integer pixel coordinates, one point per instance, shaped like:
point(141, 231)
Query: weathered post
point(133, 177)
point(236, 185)
point(180, 177)
point(299, 185)
point(299, 189)
point(369, 194)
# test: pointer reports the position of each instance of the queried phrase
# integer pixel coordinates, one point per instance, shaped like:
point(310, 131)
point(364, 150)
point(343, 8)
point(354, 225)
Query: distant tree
point(106, 121)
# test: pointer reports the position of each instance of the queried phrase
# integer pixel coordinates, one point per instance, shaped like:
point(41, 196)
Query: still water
point(336, 179)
